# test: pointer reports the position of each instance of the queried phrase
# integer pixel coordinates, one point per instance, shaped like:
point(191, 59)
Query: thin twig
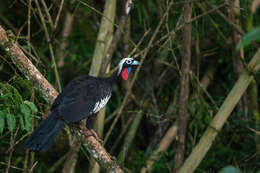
point(204, 90)
point(11, 166)
point(29, 26)
point(178, 28)
point(139, 43)
point(98, 12)
point(253, 130)
point(33, 166)
point(47, 14)
point(118, 139)
point(214, 8)
point(11, 149)
point(50, 45)
point(231, 23)
point(58, 15)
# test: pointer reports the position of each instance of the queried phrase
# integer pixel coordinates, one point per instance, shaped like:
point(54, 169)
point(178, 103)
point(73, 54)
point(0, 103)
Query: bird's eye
point(129, 61)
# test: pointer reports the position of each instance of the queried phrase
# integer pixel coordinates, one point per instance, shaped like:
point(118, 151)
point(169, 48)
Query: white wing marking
point(100, 104)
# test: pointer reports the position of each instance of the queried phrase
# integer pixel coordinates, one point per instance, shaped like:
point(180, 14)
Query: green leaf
point(6, 96)
point(230, 169)
point(25, 109)
point(11, 122)
point(2, 122)
point(250, 37)
point(21, 121)
point(27, 116)
point(31, 105)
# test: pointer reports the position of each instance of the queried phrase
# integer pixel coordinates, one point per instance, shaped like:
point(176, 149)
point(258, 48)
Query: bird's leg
point(86, 132)
point(95, 135)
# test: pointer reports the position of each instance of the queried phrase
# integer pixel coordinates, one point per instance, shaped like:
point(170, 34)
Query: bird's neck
point(113, 78)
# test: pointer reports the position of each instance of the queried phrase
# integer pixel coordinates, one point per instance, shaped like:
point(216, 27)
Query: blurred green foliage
point(15, 111)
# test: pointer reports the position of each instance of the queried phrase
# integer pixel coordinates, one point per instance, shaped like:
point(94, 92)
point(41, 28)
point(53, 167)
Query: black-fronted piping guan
point(81, 98)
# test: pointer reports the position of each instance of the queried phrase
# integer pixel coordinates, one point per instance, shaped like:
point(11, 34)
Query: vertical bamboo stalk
point(172, 131)
point(253, 98)
point(104, 39)
point(224, 112)
point(130, 137)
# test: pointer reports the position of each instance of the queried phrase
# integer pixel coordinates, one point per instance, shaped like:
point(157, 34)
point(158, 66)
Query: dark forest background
point(192, 51)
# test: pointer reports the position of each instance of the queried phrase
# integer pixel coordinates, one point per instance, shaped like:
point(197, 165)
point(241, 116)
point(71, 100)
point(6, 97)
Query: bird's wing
point(70, 91)
point(79, 100)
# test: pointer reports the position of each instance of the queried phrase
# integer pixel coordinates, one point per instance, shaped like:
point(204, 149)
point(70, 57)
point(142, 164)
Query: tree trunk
point(183, 116)
point(237, 55)
point(66, 31)
point(225, 110)
point(172, 131)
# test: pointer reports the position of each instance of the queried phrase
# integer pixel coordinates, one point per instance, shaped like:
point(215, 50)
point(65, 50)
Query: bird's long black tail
point(44, 135)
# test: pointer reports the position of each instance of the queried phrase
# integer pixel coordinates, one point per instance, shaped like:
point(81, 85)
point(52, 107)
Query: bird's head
point(124, 67)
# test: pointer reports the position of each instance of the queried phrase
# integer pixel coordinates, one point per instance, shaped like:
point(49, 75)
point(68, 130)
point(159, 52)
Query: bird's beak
point(135, 63)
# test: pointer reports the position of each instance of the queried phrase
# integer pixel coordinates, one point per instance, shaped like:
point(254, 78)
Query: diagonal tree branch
point(26, 66)
point(13, 51)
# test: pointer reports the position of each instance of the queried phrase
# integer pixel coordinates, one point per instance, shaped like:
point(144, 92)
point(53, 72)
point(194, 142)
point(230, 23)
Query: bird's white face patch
point(100, 104)
point(120, 65)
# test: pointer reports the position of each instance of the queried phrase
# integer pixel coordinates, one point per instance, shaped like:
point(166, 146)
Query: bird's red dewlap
point(124, 73)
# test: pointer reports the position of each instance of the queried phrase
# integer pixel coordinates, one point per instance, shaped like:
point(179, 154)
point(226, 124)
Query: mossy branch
point(13, 51)
point(17, 56)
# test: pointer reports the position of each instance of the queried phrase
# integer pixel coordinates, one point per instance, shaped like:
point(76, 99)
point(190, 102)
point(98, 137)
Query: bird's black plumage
point(78, 99)
point(81, 98)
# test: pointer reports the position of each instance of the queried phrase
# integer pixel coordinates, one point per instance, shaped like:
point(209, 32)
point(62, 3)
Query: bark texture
point(15, 53)
point(183, 116)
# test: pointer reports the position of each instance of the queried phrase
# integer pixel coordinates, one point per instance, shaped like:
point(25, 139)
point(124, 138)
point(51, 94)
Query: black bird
point(81, 98)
